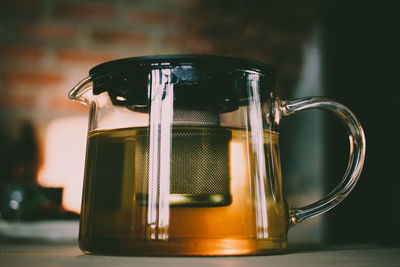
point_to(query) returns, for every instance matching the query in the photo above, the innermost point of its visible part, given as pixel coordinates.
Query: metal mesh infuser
(199, 161)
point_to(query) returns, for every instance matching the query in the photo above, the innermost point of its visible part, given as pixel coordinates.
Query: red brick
(81, 56)
(84, 11)
(44, 78)
(48, 31)
(21, 53)
(156, 17)
(66, 104)
(119, 37)
(21, 101)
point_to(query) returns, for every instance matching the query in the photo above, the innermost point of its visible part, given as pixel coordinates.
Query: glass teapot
(183, 157)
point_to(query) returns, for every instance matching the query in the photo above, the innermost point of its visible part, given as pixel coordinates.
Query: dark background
(58, 41)
(362, 72)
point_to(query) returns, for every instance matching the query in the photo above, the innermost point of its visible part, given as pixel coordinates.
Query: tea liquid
(244, 213)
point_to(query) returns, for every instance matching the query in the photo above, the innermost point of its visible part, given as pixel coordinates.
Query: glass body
(183, 158)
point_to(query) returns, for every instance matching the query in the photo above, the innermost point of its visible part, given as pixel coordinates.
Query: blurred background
(340, 49)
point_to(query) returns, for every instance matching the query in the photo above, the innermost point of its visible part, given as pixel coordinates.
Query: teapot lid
(176, 60)
(200, 81)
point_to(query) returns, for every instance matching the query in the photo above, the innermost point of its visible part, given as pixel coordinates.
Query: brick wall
(46, 47)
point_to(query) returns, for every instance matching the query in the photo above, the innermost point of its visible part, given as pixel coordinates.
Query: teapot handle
(356, 158)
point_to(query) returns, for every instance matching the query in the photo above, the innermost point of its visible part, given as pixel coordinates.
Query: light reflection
(273, 173)
(161, 116)
(64, 158)
(238, 168)
(165, 160)
(155, 113)
(257, 151)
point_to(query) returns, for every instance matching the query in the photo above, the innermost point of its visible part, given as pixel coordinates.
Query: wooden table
(68, 254)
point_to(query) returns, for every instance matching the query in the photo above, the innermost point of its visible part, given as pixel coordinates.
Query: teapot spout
(81, 92)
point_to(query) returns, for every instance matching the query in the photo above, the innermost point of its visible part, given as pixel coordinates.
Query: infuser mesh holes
(195, 117)
(199, 161)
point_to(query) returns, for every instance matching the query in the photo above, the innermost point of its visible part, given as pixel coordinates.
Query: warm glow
(64, 159)
(238, 168)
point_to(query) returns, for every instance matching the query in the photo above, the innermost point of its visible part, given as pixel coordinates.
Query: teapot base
(182, 247)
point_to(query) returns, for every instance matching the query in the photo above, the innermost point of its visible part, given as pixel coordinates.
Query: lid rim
(182, 59)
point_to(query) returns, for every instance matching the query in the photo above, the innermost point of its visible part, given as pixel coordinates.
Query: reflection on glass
(161, 115)
(257, 149)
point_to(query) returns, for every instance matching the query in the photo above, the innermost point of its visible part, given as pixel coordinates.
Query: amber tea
(213, 204)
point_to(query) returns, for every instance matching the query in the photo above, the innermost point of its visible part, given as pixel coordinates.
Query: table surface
(68, 254)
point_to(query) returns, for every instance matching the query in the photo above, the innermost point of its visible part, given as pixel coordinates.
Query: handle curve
(356, 157)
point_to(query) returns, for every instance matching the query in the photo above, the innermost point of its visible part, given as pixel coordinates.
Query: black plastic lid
(200, 81)
(176, 60)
